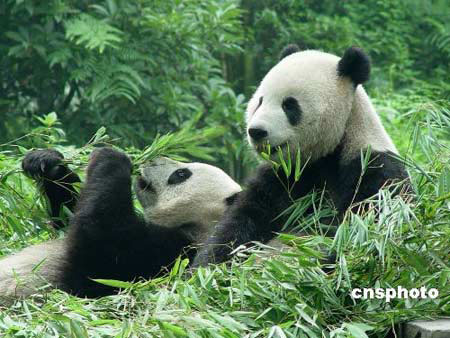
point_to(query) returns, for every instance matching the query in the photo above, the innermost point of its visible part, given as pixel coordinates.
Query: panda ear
(288, 50)
(355, 64)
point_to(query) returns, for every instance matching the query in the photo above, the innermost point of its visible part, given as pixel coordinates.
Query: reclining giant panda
(313, 102)
(107, 238)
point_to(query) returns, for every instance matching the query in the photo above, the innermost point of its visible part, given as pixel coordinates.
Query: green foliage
(92, 33)
(283, 295)
(387, 30)
(141, 68)
(145, 68)
(171, 77)
(265, 292)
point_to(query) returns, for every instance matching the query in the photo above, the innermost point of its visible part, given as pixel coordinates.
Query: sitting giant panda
(313, 102)
(107, 238)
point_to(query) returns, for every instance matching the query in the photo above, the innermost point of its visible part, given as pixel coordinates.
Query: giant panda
(107, 238)
(313, 102)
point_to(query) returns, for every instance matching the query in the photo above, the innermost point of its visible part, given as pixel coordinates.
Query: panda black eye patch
(144, 185)
(259, 104)
(292, 110)
(179, 176)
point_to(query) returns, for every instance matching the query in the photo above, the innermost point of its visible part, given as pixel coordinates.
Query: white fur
(364, 129)
(200, 199)
(330, 107)
(33, 268)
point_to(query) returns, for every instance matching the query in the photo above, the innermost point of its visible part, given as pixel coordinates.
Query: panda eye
(179, 175)
(259, 104)
(292, 110)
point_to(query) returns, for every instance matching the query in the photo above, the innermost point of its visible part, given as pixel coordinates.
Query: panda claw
(107, 160)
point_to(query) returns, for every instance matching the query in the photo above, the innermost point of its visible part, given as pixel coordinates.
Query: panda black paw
(46, 163)
(107, 161)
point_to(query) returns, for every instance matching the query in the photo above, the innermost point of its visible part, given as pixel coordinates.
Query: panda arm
(250, 218)
(55, 179)
(255, 214)
(107, 238)
(356, 185)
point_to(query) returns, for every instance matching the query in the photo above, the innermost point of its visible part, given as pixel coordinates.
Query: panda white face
(303, 101)
(176, 194)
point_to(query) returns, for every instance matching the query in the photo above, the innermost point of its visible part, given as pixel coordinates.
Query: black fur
(107, 239)
(288, 50)
(292, 110)
(355, 64)
(251, 217)
(257, 134)
(231, 199)
(382, 168)
(55, 179)
(179, 176)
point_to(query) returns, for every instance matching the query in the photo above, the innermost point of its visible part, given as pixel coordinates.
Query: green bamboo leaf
(114, 283)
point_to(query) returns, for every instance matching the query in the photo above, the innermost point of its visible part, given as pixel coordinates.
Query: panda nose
(257, 134)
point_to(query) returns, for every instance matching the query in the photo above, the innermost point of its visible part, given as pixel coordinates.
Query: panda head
(192, 196)
(305, 101)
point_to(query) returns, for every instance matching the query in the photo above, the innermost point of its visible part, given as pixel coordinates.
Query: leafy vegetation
(172, 77)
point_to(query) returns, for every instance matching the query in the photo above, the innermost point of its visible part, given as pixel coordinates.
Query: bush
(145, 68)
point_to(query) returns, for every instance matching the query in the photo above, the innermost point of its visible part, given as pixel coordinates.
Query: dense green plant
(265, 293)
(406, 39)
(145, 67)
(140, 68)
(126, 73)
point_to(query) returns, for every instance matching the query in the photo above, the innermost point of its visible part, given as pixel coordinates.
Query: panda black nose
(257, 134)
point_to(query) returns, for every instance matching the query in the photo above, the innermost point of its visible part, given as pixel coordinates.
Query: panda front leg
(252, 217)
(103, 228)
(56, 181)
(107, 190)
(107, 238)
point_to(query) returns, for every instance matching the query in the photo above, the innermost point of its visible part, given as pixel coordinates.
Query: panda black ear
(355, 64)
(288, 50)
